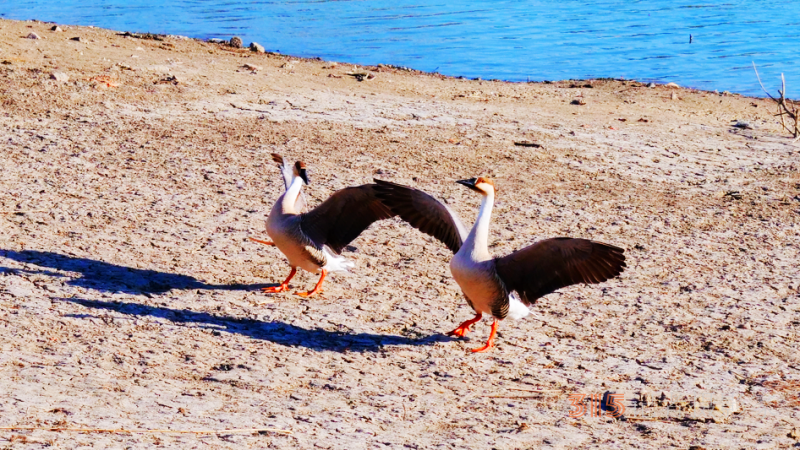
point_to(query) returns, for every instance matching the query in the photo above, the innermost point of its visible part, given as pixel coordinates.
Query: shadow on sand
(277, 332)
(103, 276)
(107, 277)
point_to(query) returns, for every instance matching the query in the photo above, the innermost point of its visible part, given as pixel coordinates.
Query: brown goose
(505, 286)
(314, 240)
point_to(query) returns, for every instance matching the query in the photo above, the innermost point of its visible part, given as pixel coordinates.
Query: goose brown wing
(423, 212)
(545, 266)
(286, 170)
(343, 216)
(287, 174)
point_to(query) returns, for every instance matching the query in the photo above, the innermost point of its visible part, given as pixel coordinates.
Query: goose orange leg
(490, 342)
(262, 242)
(283, 286)
(463, 329)
(317, 288)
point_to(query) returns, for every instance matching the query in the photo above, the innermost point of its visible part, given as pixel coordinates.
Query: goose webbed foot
(275, 289)
(463, 329)
(317, 288)
(262, 242)
(490, 341)
(281, 287)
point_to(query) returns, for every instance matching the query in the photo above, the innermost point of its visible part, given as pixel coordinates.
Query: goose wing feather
(551, 264)
(288, 173)
(343, 216)
(423, 212)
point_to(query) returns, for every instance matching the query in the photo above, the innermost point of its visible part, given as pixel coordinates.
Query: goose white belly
(477, 280)
(284, 229)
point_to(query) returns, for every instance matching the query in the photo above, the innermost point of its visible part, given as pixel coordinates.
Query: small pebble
(19, 291)
(251, 67)
(33, 36)
(256, 47)
(61, 77)
(56, 28)
(236, 42)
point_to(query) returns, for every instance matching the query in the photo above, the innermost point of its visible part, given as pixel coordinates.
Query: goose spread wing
(423, 212)
(343, 216)
(288, 174)
(545, 266)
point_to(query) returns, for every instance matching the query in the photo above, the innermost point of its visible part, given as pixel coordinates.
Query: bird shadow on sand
(107, 277)
(272, 331)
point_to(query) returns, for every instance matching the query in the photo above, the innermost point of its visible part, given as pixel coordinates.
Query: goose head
(300, 171)
(481, 184)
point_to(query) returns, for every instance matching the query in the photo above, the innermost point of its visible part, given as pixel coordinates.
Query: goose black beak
(469, 183)
(304, 175)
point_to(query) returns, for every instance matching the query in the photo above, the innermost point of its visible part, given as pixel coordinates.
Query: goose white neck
(290, 196)
(478, 240)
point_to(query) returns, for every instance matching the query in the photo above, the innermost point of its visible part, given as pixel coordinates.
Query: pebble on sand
(33, 36)
(56, 28)
(251, 67)
(20, 290)
(236, 42)
(61, 77)
(256, 47)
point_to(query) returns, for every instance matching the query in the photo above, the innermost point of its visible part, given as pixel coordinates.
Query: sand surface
(134, 170)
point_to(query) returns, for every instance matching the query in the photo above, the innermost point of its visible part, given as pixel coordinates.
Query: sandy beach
(135, 167)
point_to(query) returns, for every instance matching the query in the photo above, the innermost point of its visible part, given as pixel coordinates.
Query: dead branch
(786, 107)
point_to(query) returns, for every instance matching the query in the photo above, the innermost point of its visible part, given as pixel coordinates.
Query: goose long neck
(290, 196)
(478, 239)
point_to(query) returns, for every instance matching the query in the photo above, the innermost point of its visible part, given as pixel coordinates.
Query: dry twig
(786, 107)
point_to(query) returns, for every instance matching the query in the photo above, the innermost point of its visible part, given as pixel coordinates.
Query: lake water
(509, 40)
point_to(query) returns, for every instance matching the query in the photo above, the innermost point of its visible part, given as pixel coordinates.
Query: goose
(504, 286)
(313, 241)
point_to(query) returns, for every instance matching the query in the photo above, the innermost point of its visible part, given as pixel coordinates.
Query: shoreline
(135, 171)
(150, 35)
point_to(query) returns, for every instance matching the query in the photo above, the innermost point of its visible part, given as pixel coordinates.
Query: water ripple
(503, 39)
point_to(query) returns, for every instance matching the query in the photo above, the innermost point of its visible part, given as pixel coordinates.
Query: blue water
(509, 40)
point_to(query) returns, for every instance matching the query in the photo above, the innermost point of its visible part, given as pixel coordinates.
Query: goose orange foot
(262, 242)
(317, 288)
(309, 293)
(490, 342)
(281, 287)
(463, 329)
(275, 289)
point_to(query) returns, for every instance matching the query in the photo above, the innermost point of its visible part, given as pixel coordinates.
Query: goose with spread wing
(504, 286)
(313, 241)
